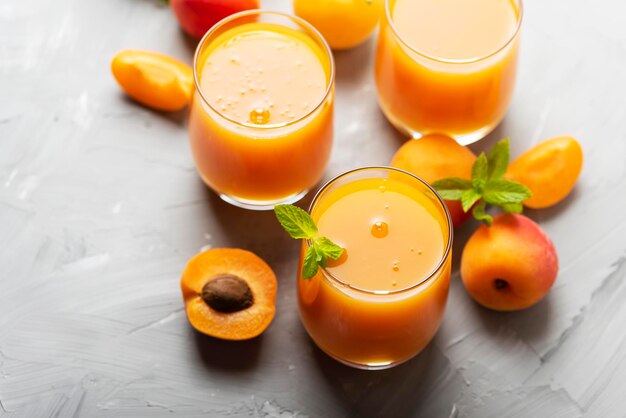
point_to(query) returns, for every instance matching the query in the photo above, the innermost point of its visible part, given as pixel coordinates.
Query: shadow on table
(355, 65)
(418, 387)
(232, 356)
(256, 231)
(531, 324)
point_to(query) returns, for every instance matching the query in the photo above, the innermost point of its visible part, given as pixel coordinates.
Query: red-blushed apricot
(198, 16)
(434, 157)
(153, 79)
(229, 293)
(549, 169)
(510, 265)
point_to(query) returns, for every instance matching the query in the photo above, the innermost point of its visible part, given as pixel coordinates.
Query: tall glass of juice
(261, 121)
(383, 300)
(447, 66)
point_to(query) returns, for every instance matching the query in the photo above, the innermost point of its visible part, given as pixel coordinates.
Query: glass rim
(299, 21)
(427, 277)
(510, 40)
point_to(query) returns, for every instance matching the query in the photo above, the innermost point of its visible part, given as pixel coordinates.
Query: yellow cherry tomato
(153, 79)
(343, 23)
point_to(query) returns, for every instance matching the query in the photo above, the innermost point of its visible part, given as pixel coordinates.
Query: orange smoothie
(261, 122)
(382, 302)
(447, 66)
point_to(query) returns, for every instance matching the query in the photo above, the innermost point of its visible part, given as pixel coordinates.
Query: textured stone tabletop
(100, 208)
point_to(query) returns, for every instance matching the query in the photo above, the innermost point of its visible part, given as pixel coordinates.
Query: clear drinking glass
(259, 162)
(382, 320)
(463, 98)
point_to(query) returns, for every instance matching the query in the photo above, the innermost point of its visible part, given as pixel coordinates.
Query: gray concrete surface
(100, 208)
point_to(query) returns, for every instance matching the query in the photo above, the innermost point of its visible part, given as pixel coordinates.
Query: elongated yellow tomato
(153, 79)
(343, 23)
(549, 169)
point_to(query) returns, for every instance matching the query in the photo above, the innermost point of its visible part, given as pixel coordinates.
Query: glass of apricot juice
(383, 300)
(447, 66)
(261, 120)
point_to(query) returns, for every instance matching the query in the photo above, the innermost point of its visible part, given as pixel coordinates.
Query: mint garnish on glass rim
(299, 225)
(487, 185)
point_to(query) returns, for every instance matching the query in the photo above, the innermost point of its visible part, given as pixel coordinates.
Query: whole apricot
(510, 265)
(549, 169)
(343, 23)
(434, 157)
(198, 16)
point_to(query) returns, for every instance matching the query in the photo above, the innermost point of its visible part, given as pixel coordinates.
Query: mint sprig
(487, 186)
(299, 225)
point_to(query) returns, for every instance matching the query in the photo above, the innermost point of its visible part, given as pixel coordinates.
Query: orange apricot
(153, 79)
(510, 265)
(549, 169)
(434, 157)
(229, 293)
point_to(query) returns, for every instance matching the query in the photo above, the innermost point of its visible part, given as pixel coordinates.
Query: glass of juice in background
(447, 66)
(383, 300)
(261, 121)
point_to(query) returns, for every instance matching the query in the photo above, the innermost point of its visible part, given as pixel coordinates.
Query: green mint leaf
(498, 192)
(468, 199)
(297, 222)
(480, 172)
(512, 207)
(328, 248)
(452, 188)
(480, 215)
(310, 265)
(498, 159)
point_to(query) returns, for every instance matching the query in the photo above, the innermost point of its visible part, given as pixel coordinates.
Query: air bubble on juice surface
(259, 116)
(419, 252)
(382, 188)
(232, 42)
(235, 60)
(380, 229)
(394, 283)
(396, 267)
(386, 206)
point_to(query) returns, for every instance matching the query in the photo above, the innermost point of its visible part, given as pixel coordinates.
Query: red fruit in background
(198, 16)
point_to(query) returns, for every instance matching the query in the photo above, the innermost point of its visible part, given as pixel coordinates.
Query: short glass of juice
(261, 119)
(447, 66)
(382, 302)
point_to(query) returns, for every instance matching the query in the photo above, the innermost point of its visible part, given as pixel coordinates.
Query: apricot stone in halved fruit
(229, 293)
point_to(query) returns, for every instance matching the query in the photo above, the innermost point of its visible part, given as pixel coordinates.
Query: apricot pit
(229, 293)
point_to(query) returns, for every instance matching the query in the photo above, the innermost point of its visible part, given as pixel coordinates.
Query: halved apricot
(229, 293)
(549, 169)
(153, 79)
(434, 157)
